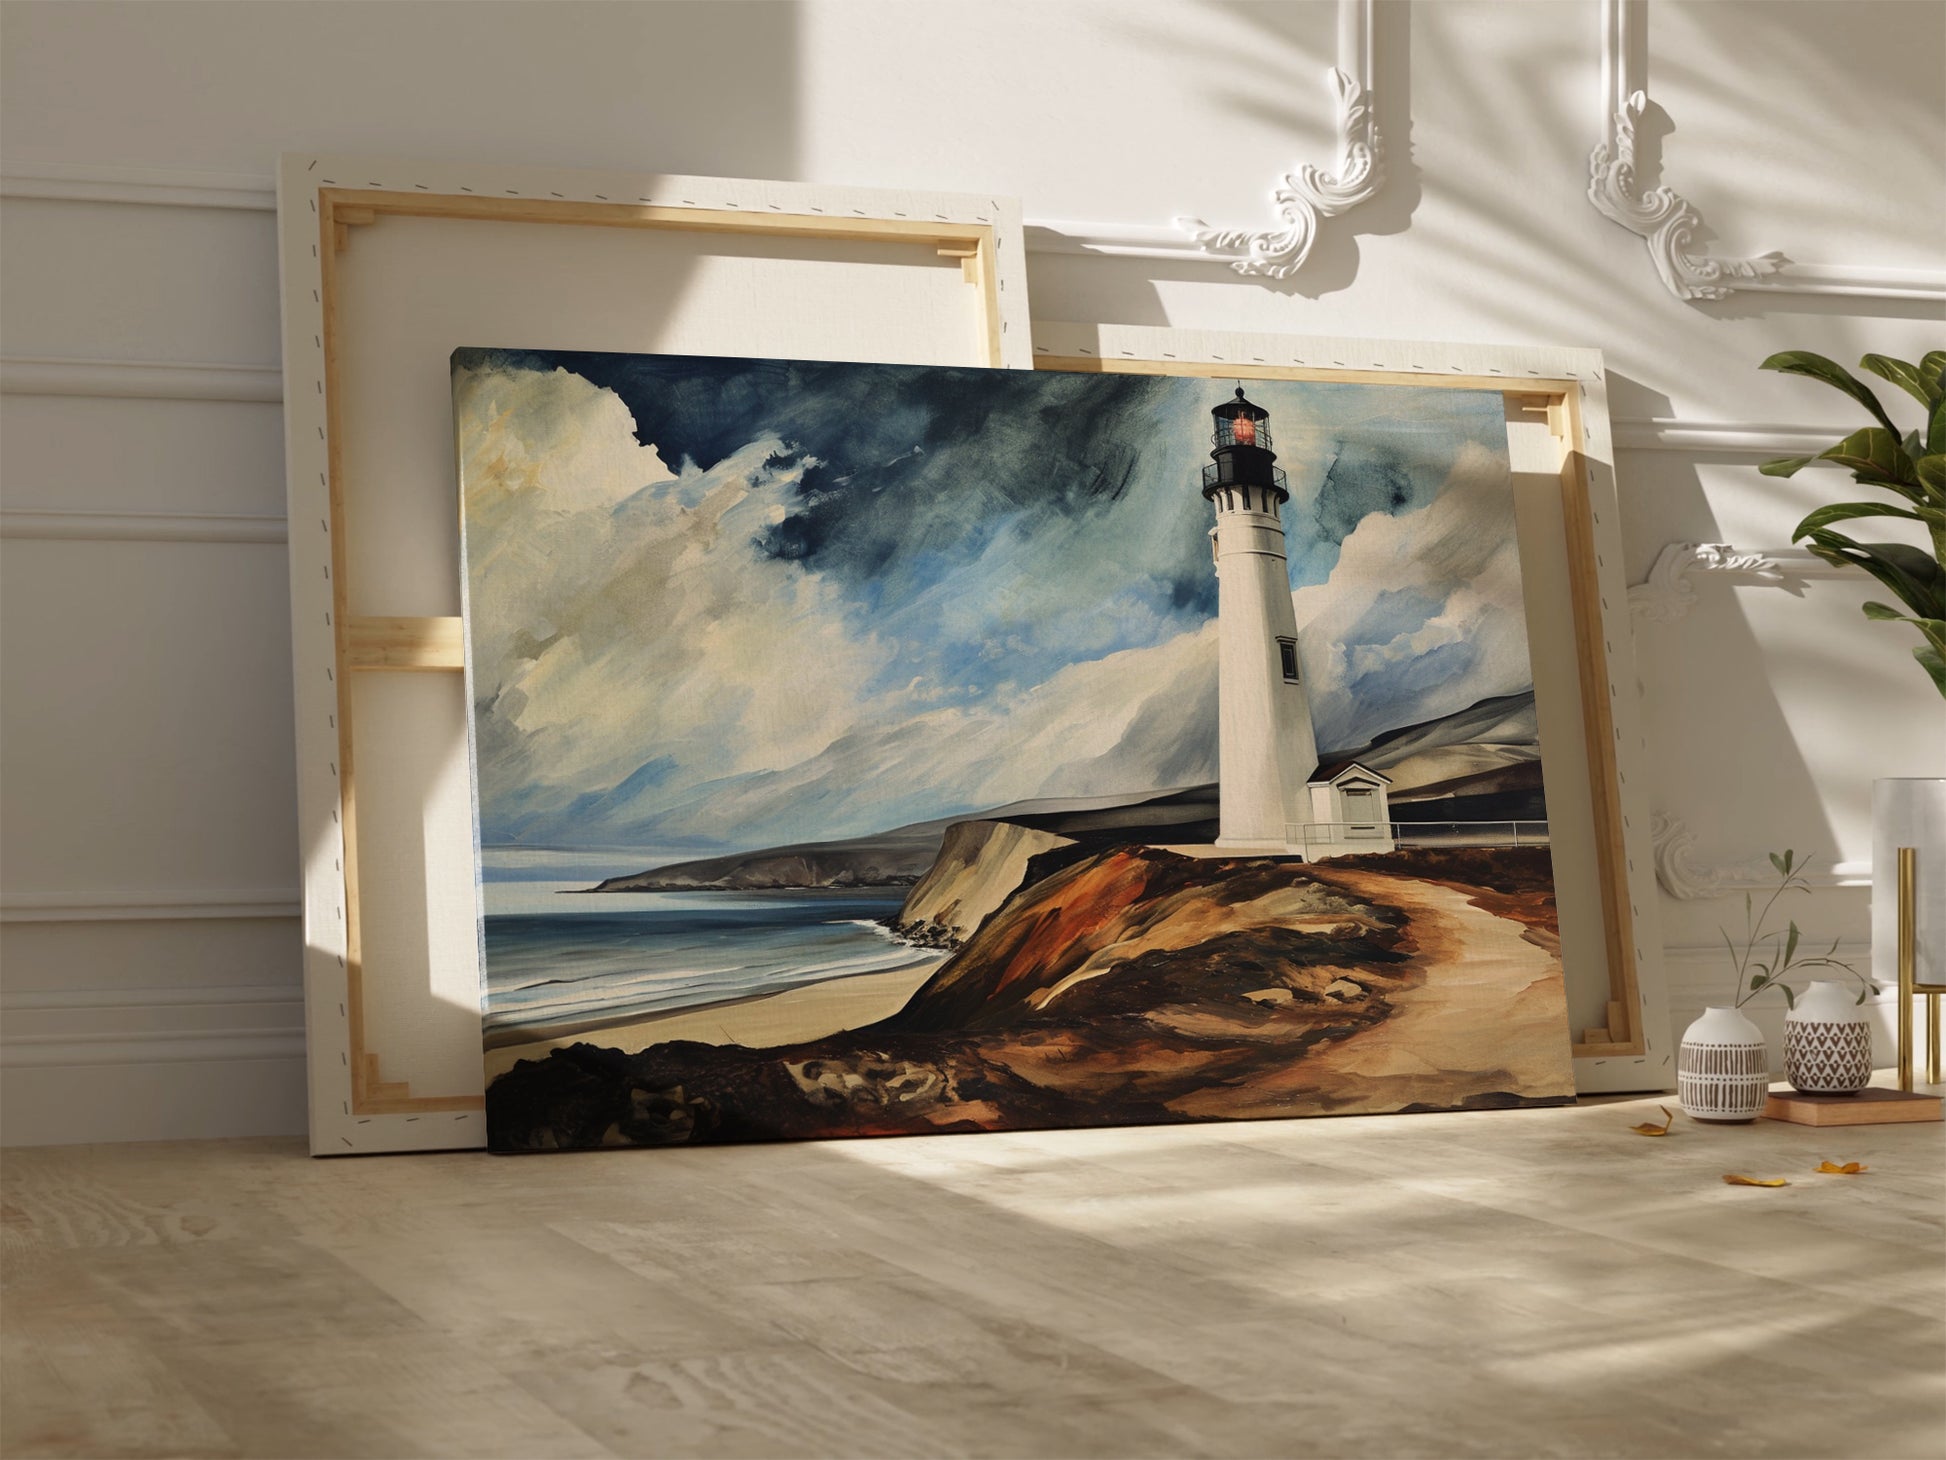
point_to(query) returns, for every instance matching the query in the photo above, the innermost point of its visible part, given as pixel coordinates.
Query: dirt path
(1487, 1016)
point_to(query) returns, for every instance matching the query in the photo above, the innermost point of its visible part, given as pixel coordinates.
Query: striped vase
(1723, 1068)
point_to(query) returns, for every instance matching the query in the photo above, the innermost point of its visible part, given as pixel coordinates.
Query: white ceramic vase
(1723, 1067)
(1828, 1041)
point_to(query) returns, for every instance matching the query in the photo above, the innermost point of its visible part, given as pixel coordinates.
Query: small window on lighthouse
(1287, 651)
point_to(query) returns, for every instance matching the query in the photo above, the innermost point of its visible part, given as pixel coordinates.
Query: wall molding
(80, 182)
(154, 1046)
(288, 995)
(1667, 595)
(139, 379)
(1668, 223)
(1684, 875)
(148, 906)
(46, 1028)
(87, 526)
(1734, 438)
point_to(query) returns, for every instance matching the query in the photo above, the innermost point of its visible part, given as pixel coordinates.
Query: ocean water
(561, 960)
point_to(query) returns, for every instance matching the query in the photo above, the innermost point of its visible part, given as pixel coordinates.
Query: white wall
(147, 852)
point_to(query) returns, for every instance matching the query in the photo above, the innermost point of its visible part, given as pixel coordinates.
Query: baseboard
(58, 1105)
(148, 1064)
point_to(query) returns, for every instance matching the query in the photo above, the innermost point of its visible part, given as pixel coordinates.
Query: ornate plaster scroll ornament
(1676, 864)
(1666, 221)
(1309, 194)
(1666, 594)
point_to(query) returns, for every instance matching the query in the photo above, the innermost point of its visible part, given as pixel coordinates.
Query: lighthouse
(1267, 750)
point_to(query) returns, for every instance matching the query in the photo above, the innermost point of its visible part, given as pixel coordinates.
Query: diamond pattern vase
(1827, 1042)
(1723, 1067)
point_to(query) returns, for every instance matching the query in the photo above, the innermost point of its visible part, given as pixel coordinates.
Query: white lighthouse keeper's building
(1266, 749)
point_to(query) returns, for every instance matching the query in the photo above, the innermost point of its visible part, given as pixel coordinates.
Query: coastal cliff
(980, 865)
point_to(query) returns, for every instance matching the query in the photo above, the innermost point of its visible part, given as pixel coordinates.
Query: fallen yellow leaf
(1753, 1181)
(1850, 1168)
(1652, 1129)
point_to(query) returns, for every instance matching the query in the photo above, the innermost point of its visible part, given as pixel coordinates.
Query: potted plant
(1723, 1069)
(1907, 811)
(1912, 467)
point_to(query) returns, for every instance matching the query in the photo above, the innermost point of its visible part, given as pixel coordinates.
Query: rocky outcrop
(980, 865)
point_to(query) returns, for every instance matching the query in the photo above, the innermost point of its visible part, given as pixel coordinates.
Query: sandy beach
(786, 1017)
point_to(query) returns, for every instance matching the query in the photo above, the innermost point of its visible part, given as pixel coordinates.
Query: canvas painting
(872, 750)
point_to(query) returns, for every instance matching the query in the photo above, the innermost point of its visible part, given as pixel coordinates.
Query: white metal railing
(1419, 833)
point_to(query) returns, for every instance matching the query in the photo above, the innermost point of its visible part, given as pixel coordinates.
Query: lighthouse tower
(1267, 749)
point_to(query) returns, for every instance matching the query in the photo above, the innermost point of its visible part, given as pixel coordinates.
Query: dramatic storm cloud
(720, 603)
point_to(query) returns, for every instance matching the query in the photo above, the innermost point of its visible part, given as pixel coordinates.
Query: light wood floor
(1518, 1283)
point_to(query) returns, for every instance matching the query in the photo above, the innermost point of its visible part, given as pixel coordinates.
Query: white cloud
(613, 625)
(1422, 615)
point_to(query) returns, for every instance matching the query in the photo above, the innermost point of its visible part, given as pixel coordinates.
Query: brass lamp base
(1909, 985)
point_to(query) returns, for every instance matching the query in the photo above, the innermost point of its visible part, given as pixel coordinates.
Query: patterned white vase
(1723, 1067)
(1827, 1042)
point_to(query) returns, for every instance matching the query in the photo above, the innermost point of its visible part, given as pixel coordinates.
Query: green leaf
(1790, 999)
(1786, 466)
(1911, 573)
(1817, 367)
(1912, 379)
(1934, 663)
(1777, 862)
(1933, 628)
(1873, 455)
(1930, 471)
(1757, 980)
(1789, 857)
(1847, 511)
(1790, 946)
(1935, 429)
(1932, 365)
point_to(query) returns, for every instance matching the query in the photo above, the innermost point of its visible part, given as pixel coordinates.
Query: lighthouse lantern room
(1243, 462)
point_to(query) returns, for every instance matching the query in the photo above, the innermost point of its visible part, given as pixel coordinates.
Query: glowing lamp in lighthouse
(1243, 464)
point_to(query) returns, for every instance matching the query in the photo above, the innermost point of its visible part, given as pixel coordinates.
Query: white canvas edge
(334, 1129)
(1654, 1069)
